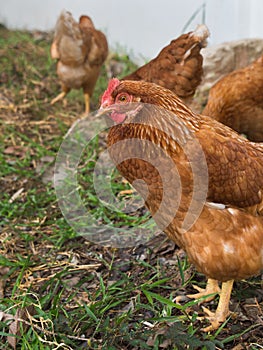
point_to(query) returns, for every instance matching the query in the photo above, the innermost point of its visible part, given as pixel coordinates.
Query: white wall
(234, 19)
(143, 27)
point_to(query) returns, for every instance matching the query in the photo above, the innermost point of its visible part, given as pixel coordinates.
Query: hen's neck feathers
(165, 119)
(160, 97)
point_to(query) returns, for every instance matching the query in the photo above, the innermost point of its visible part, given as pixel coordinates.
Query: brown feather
(179, 65)
(236, 100)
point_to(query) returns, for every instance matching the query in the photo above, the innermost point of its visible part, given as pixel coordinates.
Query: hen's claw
(215, 318)
(210, 292)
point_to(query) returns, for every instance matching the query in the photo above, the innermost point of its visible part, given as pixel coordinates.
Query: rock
(222, 59)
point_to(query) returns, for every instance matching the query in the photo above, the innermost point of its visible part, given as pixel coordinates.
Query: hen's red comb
(113, 83)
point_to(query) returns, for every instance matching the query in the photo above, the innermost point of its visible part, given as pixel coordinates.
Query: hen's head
(124, 99)
(117, 101)
(85, 22)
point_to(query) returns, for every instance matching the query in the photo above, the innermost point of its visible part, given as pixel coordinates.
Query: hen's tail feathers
(199, 40)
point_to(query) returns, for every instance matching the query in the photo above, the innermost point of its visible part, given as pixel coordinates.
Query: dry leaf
(18, 151)
(5, 317)
(15, 326)
(238, 347)
(151, 340)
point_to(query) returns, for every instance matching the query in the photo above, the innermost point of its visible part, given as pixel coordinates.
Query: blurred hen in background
(236, 100)
(80, 50)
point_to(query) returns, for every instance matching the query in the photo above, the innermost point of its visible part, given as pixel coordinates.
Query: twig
(16, 195)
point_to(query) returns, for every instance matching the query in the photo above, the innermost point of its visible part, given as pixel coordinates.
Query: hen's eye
(123, 98)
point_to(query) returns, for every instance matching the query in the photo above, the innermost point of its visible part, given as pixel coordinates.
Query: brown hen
(204, 182)
(179, 65)
(80, 50)
(236, 100)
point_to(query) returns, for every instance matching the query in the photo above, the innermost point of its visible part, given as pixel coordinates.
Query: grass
(60, 291)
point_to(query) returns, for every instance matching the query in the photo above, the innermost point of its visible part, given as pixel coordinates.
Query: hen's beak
(102, 111)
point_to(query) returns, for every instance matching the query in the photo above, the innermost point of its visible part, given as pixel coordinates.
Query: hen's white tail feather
(201, 33)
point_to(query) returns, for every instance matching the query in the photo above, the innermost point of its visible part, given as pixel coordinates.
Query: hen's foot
(58, 98)
(215, 319)
(222, 311)
(210, 292)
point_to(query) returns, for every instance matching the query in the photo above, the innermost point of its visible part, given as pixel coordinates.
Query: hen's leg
(222, 311)
(60, 96)
(87, 102)
(211, 288)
